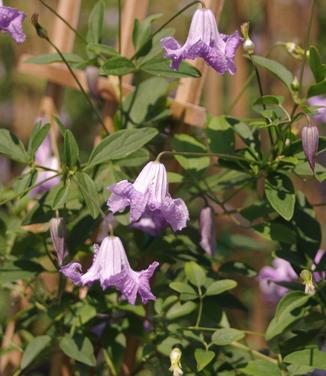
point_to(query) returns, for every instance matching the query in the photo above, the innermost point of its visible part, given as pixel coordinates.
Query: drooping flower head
(280, 272)
(148, 197)
(207, 230)
(58, 236)
(11, 22)
(204, 40)
(112, 269)
(175, 359)
(310, 141)
(309, 286)
(319, 100)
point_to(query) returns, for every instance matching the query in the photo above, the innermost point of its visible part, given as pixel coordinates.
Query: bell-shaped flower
(205, 41)
(310, 141)
(58, 236)
(207, 226)
(175, 359)
(319, 101)
(280, 272)
(44, 157)
(11, 22)
(308, 282)
(112, 269)
(148, 197)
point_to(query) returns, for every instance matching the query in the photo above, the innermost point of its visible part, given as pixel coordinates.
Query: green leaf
(70, 149)
(117, 66)
(289, 310)
(161, 67)
(95, 22)
(54, 58)
(203, 358)
(102, 49)
(89, 192)
(33, 349)
(138, 158)
(142, 32)
(317, 89)
(185, 143)
(218, 287)
(79, 348)
(318, 69)
(239, 268)
(225, 336)
(280, 194)
(308, 357)
(61, 196)
(261, 368)
(221, 135)
(276, 68)
(195, 274)
(182, 287)
(19, 269)
(180, 310)
(120, 145)
(276, 231)
(11, 147)
(37, 137)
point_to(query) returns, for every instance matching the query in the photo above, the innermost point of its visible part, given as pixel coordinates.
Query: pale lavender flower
(92, 79)
(112, 269)
(11, 22)
(149, 197)
(280, 272)
(58, 236)
(207, 226)
(151, 224)
(310, 141)
(319, 100)
(205, 41)
(108, 222)
(318, 276)
(45, 158)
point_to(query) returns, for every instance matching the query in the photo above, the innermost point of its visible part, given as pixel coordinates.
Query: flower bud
(310, 141)
(92, 76)
(294, 50)
(207, 226)
(306, 277)
(175, 358)
(248, 44)
(58, 236)
(295, 84)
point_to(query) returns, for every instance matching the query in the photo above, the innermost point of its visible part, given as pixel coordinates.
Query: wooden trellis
(184, 106)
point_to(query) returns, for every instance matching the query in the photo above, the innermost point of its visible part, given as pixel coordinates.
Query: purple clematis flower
(111, 267)
(11, 21)
(319, 100)
(207, 230)
(44, 157)
(280, 272)
(148, 197)
(205, 41)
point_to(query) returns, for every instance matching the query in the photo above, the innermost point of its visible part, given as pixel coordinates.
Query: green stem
(255, 353)
(64, 21)
(304, 59)
(79, 84)
(200, 308)
(204, 329)
(166, 23)
(120, 51)
(29, 189)
(46, 168)
(198, 154)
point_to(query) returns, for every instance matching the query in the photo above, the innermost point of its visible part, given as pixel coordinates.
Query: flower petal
(175, 212)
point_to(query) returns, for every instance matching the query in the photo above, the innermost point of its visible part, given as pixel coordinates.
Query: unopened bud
(248, 44)
(295, 50)
(207, 225)
(310, 141)
(58, 236)
(175, 358)
(306, 277)
(41, 32)
(92, 78)
(295, 84)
